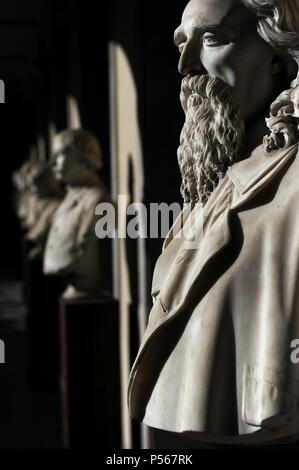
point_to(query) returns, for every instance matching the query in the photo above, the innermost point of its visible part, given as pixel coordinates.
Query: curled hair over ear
(278, 25)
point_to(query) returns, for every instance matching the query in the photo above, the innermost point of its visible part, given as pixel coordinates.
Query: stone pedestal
(89, 373)
(41, 295)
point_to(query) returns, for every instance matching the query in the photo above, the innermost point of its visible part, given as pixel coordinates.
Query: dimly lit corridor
(29, 417)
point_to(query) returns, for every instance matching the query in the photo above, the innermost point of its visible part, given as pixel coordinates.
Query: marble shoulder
(93, 196)
(290, 184)
(293, 174)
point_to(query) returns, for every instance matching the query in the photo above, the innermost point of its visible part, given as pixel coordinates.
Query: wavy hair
(278, 25)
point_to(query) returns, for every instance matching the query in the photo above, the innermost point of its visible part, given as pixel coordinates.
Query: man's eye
(212, 40)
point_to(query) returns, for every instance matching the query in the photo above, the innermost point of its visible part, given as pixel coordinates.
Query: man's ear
(292, 68)
(285, 62)
(277, 64)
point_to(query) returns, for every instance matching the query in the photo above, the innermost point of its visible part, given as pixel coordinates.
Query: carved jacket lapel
(248, 178)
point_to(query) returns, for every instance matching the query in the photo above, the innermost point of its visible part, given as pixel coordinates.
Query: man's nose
(190, 61)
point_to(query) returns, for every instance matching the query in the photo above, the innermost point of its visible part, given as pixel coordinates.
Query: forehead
(214, 12)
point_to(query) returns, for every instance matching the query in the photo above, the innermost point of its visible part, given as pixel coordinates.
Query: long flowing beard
(211, 138)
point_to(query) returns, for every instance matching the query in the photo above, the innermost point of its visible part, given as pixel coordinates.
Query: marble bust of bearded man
(216, 359)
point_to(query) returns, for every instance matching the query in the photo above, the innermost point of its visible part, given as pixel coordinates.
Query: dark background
(50, 49)
(55, 48)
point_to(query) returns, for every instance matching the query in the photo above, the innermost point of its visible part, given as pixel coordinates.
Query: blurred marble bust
(38, 196)
(22, 181)
(46, 195)
(72, 249)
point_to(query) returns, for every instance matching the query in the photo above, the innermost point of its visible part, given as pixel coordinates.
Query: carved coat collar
(249, 177)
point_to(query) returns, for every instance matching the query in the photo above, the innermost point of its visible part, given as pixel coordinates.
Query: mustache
(195, 89)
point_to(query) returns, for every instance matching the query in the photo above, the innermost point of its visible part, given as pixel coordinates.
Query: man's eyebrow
(180, 35)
